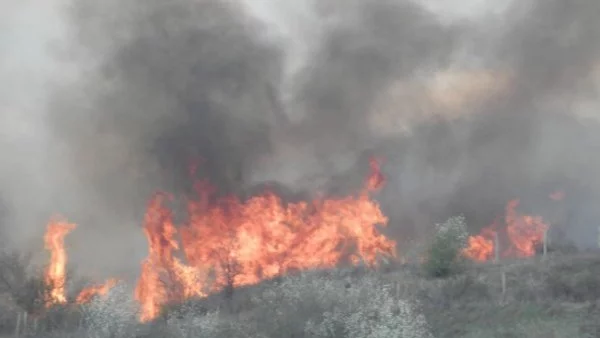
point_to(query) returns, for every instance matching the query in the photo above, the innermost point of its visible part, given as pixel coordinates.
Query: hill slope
(554, 297)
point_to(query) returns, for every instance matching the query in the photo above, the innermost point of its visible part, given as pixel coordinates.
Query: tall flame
(163, 275)
(56, 270)
(228, 243)
(232, 243)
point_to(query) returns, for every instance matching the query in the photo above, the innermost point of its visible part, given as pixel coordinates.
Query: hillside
(558, 296)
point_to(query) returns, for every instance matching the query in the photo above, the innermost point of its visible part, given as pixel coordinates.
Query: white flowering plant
(312, 306)
(444, 255)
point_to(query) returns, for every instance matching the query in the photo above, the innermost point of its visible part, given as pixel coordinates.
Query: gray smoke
(298, 93)
(535, 137)
(30, 169)
(219, 81)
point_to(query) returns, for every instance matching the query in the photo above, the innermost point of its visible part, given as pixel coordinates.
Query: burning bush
(232, 242)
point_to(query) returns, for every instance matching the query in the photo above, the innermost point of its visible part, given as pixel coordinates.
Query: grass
(554, 297)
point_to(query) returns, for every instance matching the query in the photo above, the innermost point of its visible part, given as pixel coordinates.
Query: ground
(556, 296)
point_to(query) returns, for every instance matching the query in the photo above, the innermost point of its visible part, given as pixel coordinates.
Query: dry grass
(554, 297)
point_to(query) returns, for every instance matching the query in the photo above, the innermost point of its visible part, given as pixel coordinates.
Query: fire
(523, 234)
(163, 275)
(376, 180)
(231, 243)
(56, 271)
(228, 242)
(557, 196)
(87, 294)
(481, 247)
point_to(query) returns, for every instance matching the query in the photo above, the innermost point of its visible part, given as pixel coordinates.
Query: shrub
(310, 305)
(444, 254)
(208, 325)
(21, 281)
(112, 316)
(580, 286)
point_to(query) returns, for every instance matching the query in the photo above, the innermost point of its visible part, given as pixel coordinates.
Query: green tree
(444, 255)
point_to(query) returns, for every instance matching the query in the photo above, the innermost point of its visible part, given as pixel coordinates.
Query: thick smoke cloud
(222, 81)
(470, 109)
(181, 80)
(524, 142)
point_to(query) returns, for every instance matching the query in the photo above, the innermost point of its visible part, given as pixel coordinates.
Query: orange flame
(557, 195)
(55, 273)
(523, 232)
(163, 278)
(232, 243)
(481, 247)
(87, 294)
(376, 180)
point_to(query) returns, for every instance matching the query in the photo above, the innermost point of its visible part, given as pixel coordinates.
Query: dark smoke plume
(182, 80)
(299, 93)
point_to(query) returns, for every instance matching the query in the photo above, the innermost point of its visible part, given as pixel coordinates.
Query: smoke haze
(471, 105)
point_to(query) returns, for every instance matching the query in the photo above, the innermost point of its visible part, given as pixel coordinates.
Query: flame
(56, 270)
(87, 294)
(163, 277)
(375, 180)
(227, 242)
(557, 195)
(231, 243)
(524, 233)
(481, 247)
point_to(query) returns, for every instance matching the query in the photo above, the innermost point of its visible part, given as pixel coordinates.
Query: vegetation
(554, 297)
(444, 255)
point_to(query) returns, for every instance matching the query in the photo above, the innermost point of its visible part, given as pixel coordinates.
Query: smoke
(221, 82)
(27, 31)
(470, 104)
(535, 134)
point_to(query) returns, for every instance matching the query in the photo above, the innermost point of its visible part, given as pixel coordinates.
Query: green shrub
(443, 257)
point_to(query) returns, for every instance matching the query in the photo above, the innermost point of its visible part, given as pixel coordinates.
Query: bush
(310, 305)
(574, 281)
(444, 254)
(21, 281)
(209, 325)
(332, 304)
(112, 316)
